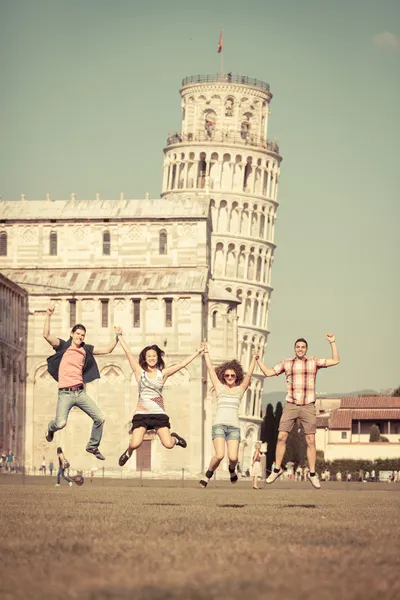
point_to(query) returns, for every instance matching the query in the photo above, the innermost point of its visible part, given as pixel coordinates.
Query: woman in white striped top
(230, 384)
(151, 376)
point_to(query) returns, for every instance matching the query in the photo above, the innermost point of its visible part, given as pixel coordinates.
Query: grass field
(117, 541)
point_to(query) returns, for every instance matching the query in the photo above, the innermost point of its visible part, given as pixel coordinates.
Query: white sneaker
(70, 483)
(315, 481)
(274, 476)
(57, 485)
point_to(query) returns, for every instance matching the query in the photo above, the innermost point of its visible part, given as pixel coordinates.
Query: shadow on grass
(298, 506)
(161, 504)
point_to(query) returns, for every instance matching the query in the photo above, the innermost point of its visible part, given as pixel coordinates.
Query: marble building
(13, 344)
(192, 265)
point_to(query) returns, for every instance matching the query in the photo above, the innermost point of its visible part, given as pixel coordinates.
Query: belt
(76, 388)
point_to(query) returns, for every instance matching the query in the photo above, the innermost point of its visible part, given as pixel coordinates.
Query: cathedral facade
(193, 265)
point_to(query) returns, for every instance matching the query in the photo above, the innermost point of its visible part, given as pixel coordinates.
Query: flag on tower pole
(219, 49)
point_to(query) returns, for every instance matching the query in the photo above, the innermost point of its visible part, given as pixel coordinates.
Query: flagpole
(222, 54)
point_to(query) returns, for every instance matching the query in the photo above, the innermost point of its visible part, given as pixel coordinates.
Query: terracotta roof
(323, 420)
(370, 402)
(100, 281)
(342, 418)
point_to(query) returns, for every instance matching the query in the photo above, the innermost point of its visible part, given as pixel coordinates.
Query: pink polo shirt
(71, 367)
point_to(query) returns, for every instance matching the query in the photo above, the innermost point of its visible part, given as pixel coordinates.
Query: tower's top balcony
(225, 78)
(242, 137)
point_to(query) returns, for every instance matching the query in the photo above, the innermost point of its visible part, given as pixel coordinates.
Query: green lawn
(117, 541)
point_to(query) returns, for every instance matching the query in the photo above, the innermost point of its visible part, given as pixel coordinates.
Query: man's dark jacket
(90, 368)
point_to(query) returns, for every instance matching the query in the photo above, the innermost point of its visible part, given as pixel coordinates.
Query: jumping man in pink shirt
(72, 366)
(301, 372)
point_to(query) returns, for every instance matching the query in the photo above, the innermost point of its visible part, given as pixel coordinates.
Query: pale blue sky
(89, 92)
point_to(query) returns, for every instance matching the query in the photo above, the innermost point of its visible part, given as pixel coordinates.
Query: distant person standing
(43, 466)
(51, 468)
(300, 372)
(256, 465)
(10, 458)
(62, 466)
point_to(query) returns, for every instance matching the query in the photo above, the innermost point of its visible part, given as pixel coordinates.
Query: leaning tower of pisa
(223, 151)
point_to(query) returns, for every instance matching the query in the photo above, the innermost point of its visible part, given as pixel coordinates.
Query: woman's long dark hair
(233, 365)
(160, 354)
(59, 450)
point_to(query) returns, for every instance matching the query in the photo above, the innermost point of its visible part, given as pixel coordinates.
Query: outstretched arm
(264, 369)
(175, 368)
(211, 371)
(53, 341)
(110, 347)
(135, 366)
(331, 362)
(247, 378)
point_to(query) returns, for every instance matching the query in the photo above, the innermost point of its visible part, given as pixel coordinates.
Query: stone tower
(223, 151)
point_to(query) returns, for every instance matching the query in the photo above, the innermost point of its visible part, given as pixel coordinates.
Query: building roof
(370, 402)
(342, 418)
(217, 292)
(74, 209)
(183, 280)
(323, 420)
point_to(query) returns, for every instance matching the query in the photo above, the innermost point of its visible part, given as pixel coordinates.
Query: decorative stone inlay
(29, 234)
(135, 232)
(88, 305)
(79, 233)
(119, 303)
(152, 303)
(184, 305)
(111, 374)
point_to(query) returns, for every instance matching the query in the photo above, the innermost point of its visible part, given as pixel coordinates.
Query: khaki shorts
(307, 415)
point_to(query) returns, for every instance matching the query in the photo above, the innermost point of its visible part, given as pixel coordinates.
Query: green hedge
(345, 465)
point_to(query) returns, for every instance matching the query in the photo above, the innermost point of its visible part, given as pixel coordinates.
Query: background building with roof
(193, 265)
(13, 347)
(344, 432)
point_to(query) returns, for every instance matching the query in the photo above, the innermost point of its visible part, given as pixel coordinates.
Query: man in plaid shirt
(300, 372)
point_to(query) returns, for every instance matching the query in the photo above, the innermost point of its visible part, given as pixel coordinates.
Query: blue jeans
(79, 398)
(62, 473)
(228, 432)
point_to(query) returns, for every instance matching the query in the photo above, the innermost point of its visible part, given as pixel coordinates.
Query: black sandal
(205, 483)
(233, 475)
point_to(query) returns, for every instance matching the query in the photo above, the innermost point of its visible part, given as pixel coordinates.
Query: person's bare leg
(167, 440)
(135, 441)
(233, 456)
(219, 453)
(280, 448)
(255, 482)
(311, 451)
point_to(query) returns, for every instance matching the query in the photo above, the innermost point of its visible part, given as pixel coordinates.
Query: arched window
(3, 243)
(214, 319)
(163, 248)
(53, 243)
(106, 243)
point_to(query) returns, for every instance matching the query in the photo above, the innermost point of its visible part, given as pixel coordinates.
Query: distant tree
(268, 433)
(396, 391)
(374, 433)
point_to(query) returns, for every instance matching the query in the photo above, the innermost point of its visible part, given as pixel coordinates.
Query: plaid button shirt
(300, 377)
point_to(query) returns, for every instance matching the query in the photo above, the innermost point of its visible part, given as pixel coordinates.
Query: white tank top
(150, 399)
(228, 404)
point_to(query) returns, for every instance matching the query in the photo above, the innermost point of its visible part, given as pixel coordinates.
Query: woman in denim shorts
(230, 384)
